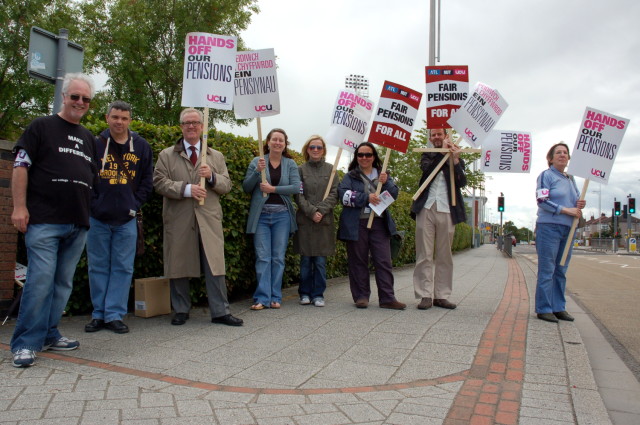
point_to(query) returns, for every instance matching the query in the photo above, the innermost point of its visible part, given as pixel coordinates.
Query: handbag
(396, 244)
(139, 221)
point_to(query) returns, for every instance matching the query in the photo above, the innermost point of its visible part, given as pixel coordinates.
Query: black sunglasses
(76, 97)
(365, 154)
(315, 148)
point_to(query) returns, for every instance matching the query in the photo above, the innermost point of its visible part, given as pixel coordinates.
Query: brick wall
(8, 234)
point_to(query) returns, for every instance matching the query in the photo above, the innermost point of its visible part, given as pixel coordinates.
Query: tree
(141, 47)
(23, 98)
(405, 168)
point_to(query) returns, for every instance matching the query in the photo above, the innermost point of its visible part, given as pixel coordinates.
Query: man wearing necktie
(193, 238)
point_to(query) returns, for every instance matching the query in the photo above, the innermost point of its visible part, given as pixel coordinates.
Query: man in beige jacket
(193, 238)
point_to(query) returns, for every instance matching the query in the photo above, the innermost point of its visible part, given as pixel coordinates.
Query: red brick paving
(497, 399)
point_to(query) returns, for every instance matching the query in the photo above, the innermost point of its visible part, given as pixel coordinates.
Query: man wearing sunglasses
(53, 176)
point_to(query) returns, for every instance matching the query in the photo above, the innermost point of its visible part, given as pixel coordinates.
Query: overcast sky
(549, 59)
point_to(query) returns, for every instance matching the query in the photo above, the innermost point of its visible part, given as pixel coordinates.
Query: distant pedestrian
(316, 235)
(125, 184)
(357, 190)
(271, 217)
(53, 177)
(436, 218)
(558, 203)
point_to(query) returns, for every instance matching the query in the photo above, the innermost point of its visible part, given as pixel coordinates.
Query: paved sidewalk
(487, 362)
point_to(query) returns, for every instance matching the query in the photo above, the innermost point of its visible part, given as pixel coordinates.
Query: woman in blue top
(558, 204)
(271, 215)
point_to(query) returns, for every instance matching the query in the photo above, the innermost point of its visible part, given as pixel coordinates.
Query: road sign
(42, 61)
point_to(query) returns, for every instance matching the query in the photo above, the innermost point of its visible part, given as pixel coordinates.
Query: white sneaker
(304, 300)
(24, 358)
(318, 302)
(62, 344)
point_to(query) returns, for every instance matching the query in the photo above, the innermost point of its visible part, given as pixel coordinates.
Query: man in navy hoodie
(125, 184)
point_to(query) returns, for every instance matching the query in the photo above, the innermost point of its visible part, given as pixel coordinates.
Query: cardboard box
(152, 297)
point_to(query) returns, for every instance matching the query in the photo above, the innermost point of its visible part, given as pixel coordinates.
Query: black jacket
(428, 163)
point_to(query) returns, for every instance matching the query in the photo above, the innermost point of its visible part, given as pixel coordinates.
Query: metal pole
(63, 41)
(432, 33)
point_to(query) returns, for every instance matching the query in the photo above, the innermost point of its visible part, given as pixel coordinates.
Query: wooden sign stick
(203, 148)
(384, 170)
(333, 174)
(567, 246)
(431, 176)
(261, 153)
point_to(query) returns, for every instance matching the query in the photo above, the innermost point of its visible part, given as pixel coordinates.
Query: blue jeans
(552, 280)
(313, 276)
(111, 251)
(270, 242)
(53, 251)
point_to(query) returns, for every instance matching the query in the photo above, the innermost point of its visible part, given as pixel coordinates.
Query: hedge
(239, 253)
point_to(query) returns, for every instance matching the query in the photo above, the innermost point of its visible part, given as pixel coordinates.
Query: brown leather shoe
(425, 304)
(563, 315)
(444, 303)
(394, 305)
(362, 303)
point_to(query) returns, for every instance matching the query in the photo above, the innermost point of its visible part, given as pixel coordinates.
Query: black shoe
(228, 320)
(547, 317)
(180, 319)
(563, 315)
(94, 326)
(117, 326)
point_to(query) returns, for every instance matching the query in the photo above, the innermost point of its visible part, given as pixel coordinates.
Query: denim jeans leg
(306, 276)
(262, 245)
(550, 241)
(280, 231)
(123, 252)
(319, 277)
(98, 258)
(53, 251)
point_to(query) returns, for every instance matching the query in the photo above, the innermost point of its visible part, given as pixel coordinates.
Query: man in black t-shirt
(53, 176)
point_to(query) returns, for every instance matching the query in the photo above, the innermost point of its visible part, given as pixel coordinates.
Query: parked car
(513, 241)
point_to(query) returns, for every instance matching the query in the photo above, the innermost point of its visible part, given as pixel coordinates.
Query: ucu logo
(350, 143)
(263, 108)
(216, 99)
(597, 173)
(470, 134)
(487, 158)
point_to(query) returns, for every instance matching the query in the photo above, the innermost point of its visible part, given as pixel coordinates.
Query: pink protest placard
(209, 67)
(349, 120)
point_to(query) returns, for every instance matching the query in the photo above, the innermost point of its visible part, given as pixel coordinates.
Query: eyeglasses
(76, 97)
(190, 123)
(365, 154)
(315, 148)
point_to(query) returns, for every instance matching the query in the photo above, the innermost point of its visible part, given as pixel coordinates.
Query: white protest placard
(447, 88)
(507, 152)
(209, 68)
(349, 120)
(597, 145)
(395, 116)
(479, 114)
(256, 84)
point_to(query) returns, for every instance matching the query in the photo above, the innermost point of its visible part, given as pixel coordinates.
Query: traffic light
(500, 203)
(616, 208)
(632, 205)
(624, 211)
